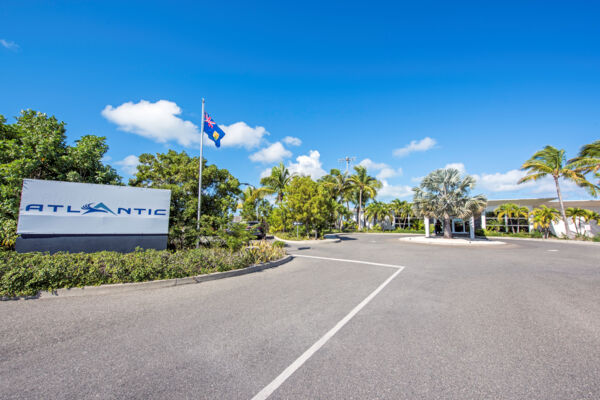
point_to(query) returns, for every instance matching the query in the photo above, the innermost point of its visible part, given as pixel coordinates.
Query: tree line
(35, 146)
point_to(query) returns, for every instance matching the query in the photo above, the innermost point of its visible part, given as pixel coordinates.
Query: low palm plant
(377, 211)
(576, 214)
(509, 211)
(592, 216)
(543, 218)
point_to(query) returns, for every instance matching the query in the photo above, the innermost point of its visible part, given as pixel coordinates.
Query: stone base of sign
(89, 243)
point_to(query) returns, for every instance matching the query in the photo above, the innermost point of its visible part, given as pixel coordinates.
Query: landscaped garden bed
(30, 273)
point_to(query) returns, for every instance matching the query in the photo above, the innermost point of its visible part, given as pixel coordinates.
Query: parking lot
(370, 317)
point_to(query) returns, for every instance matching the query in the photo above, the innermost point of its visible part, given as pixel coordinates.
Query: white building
(589, 228)
(525, 224)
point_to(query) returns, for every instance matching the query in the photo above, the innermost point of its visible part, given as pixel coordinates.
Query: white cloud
(160, 122)
(459, 166)
(242, 135)
(416, 145)
(156, 121)
(265, 173)
(129, 164)
(507, 182)
(385, 171)
(9, 44)
(370, 164)
(394, 191)
(308, 165)
(273, 153)
(292, 141)
(388, 173)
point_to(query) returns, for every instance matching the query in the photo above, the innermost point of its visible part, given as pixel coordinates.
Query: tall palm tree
(276, 182)
(363, 183)
(552, 161)
(588, 161)
(543, 217)
(444, 194)
(340, 185)
(576, 214)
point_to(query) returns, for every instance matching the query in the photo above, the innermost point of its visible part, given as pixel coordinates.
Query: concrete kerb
(554, 240)
(328, 239)
(128, 287)
(451, 242)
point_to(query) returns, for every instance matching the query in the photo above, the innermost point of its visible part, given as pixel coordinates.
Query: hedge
(28, 274)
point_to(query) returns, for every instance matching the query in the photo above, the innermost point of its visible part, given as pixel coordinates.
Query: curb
(451, 242)
(330, 239)
(558, 241)
(129, 287)
(381, 233)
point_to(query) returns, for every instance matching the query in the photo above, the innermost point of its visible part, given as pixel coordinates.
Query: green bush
(28, 274)
(278, 243)
(487, 232)
(404, 230)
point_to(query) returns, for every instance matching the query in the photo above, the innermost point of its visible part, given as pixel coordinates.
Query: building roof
(548, 201)
(521, 202)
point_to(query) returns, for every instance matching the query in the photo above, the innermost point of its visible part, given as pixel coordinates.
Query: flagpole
(200, 168)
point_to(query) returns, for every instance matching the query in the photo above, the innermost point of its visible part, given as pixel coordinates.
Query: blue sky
(475, 84)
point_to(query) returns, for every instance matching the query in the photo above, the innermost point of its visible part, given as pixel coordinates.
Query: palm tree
(542, 219)
(576, 214)
(276, 182)
(588, 161)
(340, 185)
(552, 161)
(444, 194)
(510, 211)
(398, 207)
(377, 211)
(364, 184)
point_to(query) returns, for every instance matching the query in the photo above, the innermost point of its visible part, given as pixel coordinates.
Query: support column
(472, 228)
(483, 221)
(427, 227)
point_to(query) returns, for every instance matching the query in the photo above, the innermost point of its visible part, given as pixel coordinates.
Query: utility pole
(347, 160)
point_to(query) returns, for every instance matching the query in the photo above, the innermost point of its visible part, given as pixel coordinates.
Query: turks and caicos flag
(212, 130)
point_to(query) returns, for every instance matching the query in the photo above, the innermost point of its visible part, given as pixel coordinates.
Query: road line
(277, 382)
(350, 261)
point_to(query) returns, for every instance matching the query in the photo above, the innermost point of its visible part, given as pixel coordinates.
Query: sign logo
(100, 207)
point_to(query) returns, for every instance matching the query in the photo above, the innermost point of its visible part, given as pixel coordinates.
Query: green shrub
(8, 233)
(487, 232)
(278, 243)
(28, 274)
(405, 230)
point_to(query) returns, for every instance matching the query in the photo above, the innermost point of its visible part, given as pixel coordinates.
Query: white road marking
(277, 382)
(553, 250)
(350, 261)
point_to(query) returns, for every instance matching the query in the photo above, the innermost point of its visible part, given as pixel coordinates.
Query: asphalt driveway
(515, 321)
